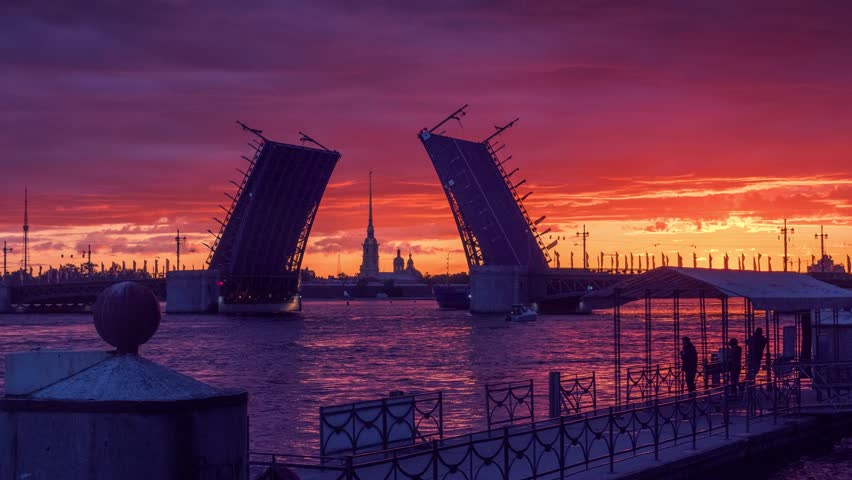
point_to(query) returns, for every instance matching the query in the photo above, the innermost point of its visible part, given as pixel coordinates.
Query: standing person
(735, 363)
(689, 363)
(756, 343)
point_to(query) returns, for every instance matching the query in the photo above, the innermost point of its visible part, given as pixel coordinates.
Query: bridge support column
(192, 291)
(494, 289)
(5, 299)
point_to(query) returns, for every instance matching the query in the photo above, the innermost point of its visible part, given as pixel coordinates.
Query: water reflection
(335, 354)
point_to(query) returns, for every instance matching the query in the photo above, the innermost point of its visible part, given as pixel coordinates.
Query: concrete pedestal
(116, 416)
(192, 291)
(494, 289)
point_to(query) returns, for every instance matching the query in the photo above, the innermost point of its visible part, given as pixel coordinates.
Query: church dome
(398, 262)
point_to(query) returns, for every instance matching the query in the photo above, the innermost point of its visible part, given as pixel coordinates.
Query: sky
(662, 126)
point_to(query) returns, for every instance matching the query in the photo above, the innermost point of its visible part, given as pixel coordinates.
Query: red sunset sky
(658, 124)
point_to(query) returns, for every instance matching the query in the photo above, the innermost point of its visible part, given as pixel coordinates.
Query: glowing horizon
(658, 126)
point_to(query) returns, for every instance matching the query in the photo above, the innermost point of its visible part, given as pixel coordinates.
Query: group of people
(733, 360)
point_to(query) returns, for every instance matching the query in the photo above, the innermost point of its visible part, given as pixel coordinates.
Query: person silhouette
(689, 363)
(735, 364)
(756, 343)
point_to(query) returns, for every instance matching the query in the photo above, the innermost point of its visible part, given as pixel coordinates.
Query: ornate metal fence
(645, 384)
(507, 403)
(270, 466)
(572, 396)
(830, 384)
(381, 424)
(553, 447)
(573, 443)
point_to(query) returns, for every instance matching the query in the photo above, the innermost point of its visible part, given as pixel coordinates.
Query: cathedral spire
(370, 259)
(26, 231)
(370, 220)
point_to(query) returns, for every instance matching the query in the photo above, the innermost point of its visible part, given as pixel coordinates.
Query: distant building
(403, 272)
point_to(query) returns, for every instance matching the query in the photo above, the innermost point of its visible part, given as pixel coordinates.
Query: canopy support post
(725, 372)
(702, 313)
(648, 306)
(616, 339)
(676, 326)
(768, 352)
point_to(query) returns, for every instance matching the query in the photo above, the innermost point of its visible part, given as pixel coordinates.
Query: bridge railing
(520, 203)
(258, 148)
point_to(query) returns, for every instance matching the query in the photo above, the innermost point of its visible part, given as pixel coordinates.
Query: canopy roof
(782, 291)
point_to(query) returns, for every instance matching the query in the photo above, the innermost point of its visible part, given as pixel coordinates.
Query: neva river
(334, 353)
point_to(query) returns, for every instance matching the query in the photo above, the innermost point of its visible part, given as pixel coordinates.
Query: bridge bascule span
(509, 259)
(261, 241)
(256, 253)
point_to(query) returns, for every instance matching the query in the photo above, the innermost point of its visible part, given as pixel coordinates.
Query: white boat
(521, 313)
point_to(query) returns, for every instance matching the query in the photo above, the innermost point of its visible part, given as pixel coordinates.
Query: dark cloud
(122, 113)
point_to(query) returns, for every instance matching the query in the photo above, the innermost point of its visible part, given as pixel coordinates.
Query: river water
(335, 353)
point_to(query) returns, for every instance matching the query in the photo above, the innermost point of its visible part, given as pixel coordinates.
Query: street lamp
(178, 241)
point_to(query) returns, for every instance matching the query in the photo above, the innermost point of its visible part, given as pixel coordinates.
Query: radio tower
(26, 232)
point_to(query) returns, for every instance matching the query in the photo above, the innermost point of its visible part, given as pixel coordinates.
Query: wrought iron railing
(553, 447)
(572, 443)
(830, 383)
(509, 403)
(644, 383)
(381, 424)
(272, 464)
(572, 396)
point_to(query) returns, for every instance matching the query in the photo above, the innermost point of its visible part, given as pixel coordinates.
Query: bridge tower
(508, 258)
(494, 226)
(261, 241)
(502, 243)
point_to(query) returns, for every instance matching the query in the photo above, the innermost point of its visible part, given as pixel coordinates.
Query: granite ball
(126, 315)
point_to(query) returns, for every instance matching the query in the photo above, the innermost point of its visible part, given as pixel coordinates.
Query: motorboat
(521, 313)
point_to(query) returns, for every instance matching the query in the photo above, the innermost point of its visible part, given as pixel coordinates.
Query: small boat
(521, 313)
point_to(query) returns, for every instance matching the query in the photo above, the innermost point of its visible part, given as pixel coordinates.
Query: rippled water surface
(334, 353)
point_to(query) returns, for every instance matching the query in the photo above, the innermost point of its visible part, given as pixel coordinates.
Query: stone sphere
(126, 315)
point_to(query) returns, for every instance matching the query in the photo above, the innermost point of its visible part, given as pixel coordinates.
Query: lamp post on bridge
(178, 241)
(785, 231)
(88, 253)
(6, 250)
(822, 236)
(585, 235)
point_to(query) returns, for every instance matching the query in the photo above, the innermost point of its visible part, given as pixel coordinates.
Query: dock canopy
(779, 291)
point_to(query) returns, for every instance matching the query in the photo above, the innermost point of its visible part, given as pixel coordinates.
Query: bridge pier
(5, 299)
(495, 288)
(192, 291)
